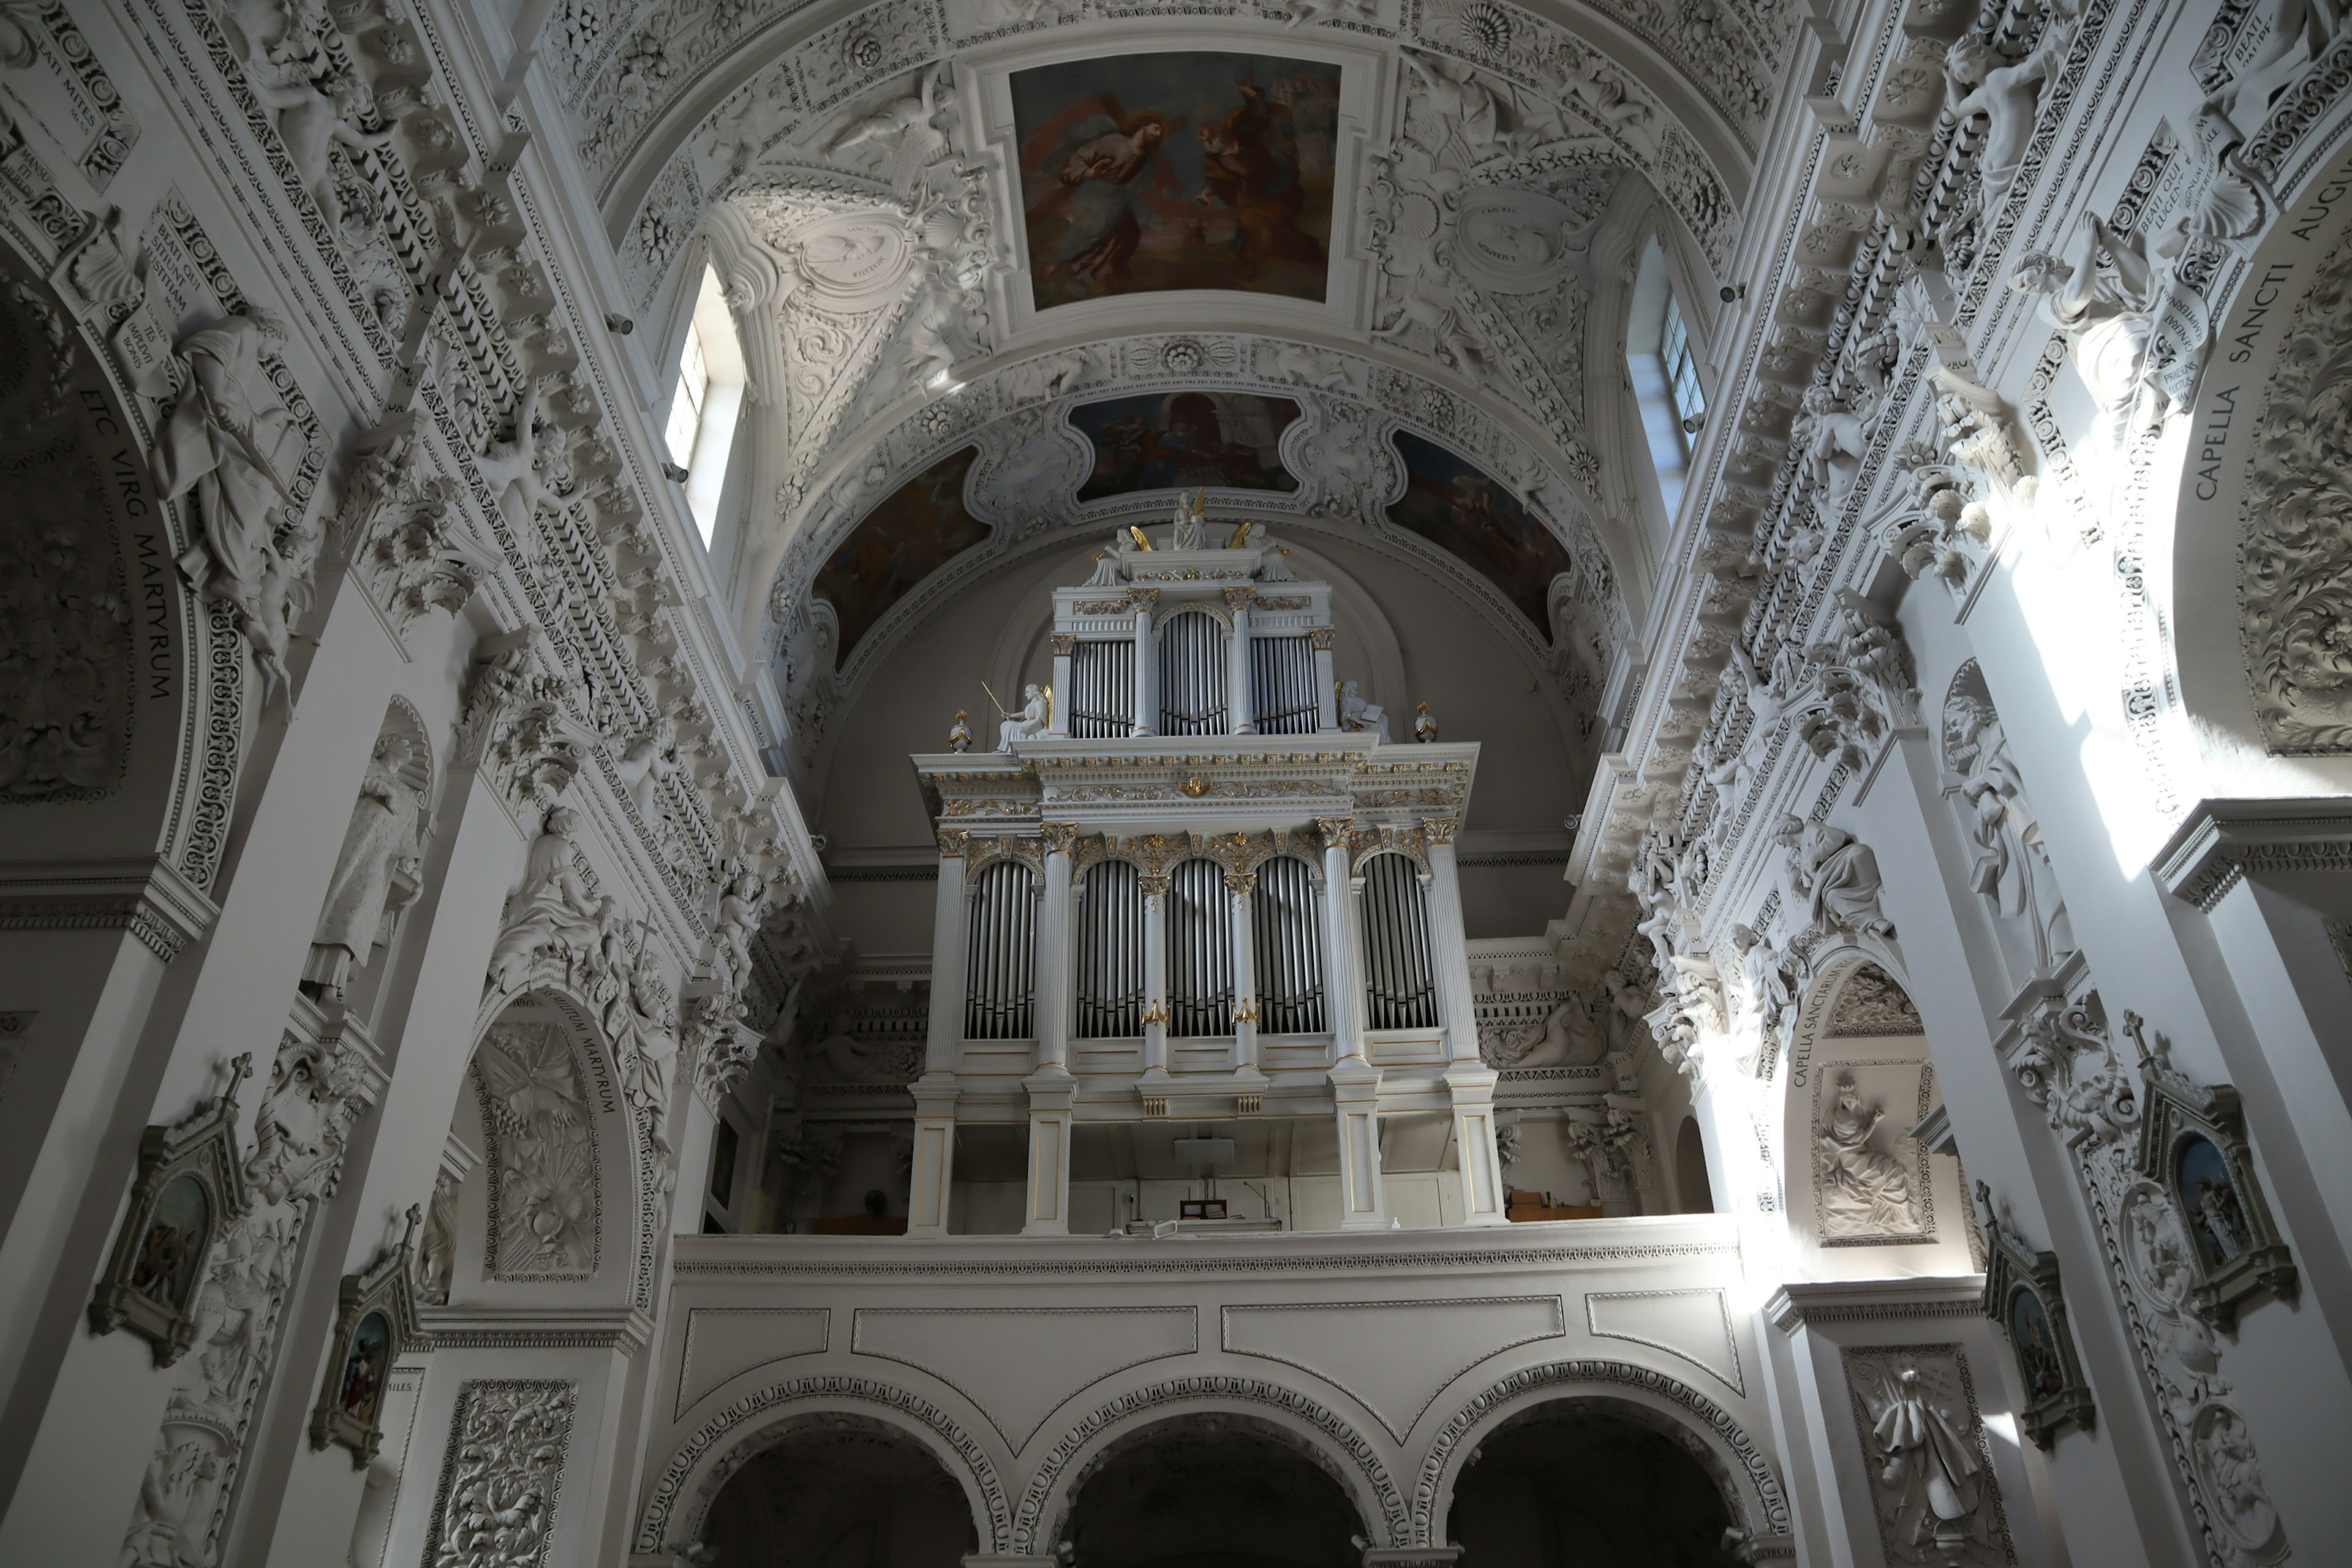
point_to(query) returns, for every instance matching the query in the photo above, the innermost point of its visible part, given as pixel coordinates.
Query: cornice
(1812, 1304)
(2223, 841)
(141, 894)
(1598, 1243)
(623, 1329)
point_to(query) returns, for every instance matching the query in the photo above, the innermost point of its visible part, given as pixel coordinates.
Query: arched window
(1662, 362)
(1399, 979)
(1192, 675)
(1200, 950)
(1001, 954)
(705, 401)
(1110, 953)
(1287, 948)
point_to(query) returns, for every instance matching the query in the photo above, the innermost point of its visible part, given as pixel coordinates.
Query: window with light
(703, 406)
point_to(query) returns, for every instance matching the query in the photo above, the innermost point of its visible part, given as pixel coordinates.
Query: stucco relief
(546, 1197)
(1871, 1181)
(1930, 1460)
(501, 1473)
(2067, 1061)
(2297, 587)
(317, 1090)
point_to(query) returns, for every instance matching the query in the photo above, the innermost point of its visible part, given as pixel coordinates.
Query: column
(1237, 683)
(1059, 708)
(1146, 673)
(1449, 941)
(1343, 963)
(1327, 681)
(1050, 1094)
(1355, 1081)
(1239, 886)
(1054, 940)
(1051, 1087)
(1354, 1096)
(935, 1091)
(1154, 1084)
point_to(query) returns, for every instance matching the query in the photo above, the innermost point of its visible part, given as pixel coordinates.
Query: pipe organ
(1197, 898)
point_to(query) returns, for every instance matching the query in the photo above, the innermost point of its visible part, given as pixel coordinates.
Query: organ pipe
(1399, 980)
(1287, 948)
(1111, 980)
(1102, 689)
(1200, 951)
(1191, 661)
(1282, 691)
(1001, 954)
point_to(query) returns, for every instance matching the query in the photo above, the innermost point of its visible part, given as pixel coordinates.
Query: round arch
(1752, 1492)
(1857, 1029)
(730, 1437)
(1305, 1425)
(629, 1160)
(2247, 489)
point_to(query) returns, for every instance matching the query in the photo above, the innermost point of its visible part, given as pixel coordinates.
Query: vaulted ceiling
(1407, 229)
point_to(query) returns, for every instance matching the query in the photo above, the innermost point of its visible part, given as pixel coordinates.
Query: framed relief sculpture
(2022, 1295)
(191, 1184)
(376, 1318)
(2192, 1143)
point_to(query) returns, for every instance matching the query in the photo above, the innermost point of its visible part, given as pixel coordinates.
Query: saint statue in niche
(378, 843)
(2209, 1198)
(165, 1268)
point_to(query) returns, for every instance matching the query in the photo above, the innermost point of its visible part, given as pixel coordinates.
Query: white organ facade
(1121, 784)
(1194, 897)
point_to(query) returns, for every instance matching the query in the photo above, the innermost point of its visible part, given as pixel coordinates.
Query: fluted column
(1240, 885)
(1343, 983)
(1051, 1087)
(1055, 931)
(1237, 680)
(1449, 944)
(1060, 723)
(1146, 673)
(1155, 988)
(1327, 681)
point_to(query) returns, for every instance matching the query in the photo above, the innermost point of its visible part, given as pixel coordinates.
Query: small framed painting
(190, 1184)
(377, 1318)
(2192, 1143)
(2023, 1294)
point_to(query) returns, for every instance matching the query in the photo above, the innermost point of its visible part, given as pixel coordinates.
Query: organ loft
(1186, 891)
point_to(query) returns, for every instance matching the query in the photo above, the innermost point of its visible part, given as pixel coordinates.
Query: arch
(2257, 564)
(827, 1481)
(712, 1455)
(1356, 397)
(136, 746)
(640, 1156)
(1337, 1447)
(1752, 1491)
(1255, 1452)
(1855, 996)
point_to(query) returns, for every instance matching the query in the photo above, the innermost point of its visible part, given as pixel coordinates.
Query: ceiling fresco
(1455, 505)
(916, 530)
(1168, 440)
(1154, 172)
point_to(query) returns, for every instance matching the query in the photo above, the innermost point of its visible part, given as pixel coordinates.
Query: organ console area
(1193, 918)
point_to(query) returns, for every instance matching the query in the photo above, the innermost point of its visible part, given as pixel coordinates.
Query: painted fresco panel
(1177, 171)
(914, 532)
(1165, 440)
(1454, 504)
